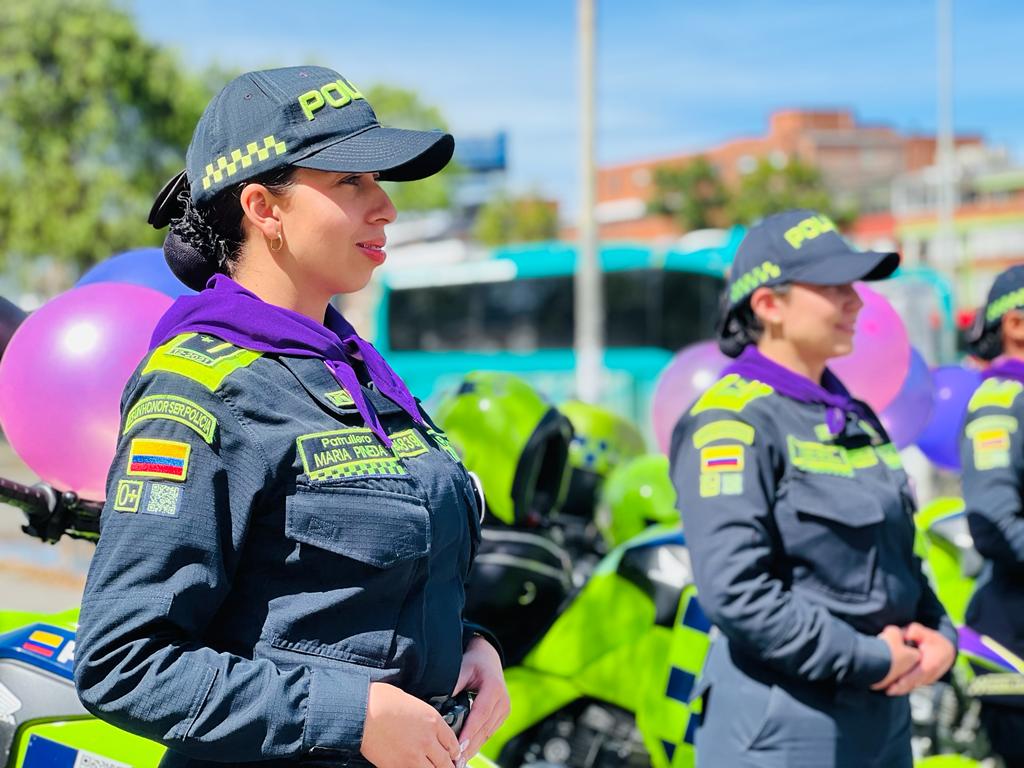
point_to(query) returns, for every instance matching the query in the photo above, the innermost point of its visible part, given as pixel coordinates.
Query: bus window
(524, 315)
(691, 308)
(644, 308)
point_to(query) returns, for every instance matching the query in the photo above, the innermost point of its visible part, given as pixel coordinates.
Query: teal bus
(513, 312)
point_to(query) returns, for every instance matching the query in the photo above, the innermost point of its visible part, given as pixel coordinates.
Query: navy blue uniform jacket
(264, 558)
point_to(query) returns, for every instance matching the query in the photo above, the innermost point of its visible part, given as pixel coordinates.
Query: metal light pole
(588, 308)
(945, 236)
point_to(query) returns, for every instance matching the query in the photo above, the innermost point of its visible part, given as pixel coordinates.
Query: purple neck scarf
(831, 393)
(1005, 368)
(227, 310)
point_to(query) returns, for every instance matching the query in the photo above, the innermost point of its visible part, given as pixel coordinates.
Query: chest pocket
(358, 551)
(830, 529)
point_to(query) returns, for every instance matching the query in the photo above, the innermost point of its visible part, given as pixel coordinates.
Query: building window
(642, 177)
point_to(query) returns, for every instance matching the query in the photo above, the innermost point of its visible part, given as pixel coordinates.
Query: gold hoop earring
(279, 240)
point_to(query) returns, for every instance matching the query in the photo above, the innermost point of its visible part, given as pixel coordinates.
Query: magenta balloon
(62, 376)
(910, 411)
(684, 379)
(874, 372)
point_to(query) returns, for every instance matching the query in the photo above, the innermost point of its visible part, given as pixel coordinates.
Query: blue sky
(672, 76)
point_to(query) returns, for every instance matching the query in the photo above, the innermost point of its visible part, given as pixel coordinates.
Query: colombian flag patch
(43, 643)
(721, 458)
(159, 458)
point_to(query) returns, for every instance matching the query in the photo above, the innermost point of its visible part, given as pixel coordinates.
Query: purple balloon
(141, 266)
(874, 372)
(908, 414)
(62, 375)
(688, 374)
(952, 387)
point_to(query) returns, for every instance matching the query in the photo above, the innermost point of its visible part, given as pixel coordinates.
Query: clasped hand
(920, 656)
(403, 732)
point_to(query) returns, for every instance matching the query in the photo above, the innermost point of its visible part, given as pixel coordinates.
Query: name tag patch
(408, 443)
(353, 452)
(819, 458)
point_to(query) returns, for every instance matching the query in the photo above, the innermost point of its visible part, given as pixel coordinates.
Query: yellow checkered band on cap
(226, 166)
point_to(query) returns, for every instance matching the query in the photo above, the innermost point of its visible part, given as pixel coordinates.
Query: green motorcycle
(596, 673)
(42, 722)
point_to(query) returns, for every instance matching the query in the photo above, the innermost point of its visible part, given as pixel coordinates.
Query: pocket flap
(374, 527)
(838, 499)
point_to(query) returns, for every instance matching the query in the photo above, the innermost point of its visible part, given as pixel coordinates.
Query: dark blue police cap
(801, 246)
(1006, 293)
(310, 117)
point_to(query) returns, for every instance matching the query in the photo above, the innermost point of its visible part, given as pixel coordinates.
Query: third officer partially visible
(992, 454)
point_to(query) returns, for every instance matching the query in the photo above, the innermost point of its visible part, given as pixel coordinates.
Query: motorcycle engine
(587, 736)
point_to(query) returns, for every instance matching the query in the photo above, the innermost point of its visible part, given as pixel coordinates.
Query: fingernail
(461, 763)
(464, 746)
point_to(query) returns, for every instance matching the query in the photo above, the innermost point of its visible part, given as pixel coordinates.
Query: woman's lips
(373, 250)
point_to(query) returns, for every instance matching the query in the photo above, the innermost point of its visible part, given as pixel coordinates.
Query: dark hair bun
(187, 262)
(734, 326)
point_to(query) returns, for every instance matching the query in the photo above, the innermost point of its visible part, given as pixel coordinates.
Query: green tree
(692, 194)
(506, 219)
(93, 119)
(403, 108)
(770, 189)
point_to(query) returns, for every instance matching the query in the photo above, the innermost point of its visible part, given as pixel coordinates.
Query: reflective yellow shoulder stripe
(731, 393)
(995, 392)
(726, 429)
(210, 376)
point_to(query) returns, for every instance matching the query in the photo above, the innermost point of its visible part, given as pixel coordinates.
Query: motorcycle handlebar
(52, 513)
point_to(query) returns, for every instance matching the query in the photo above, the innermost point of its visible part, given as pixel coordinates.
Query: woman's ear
(258, 207)
(766, 306)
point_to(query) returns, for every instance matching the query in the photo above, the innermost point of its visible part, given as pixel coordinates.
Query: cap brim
(397, 154)
(848, 267)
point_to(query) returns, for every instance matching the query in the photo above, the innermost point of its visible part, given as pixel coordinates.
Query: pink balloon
(688, 374)
(62, 376)
(874, 372)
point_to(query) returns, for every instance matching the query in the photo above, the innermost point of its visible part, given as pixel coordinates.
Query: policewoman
(992, 457)
(798, 517)
(286, 537)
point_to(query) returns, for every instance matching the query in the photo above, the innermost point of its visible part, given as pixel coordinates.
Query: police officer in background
(286, 536)
(798, 516)
(992, 454)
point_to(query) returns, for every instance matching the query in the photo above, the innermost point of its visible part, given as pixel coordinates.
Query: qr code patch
(163, 499)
